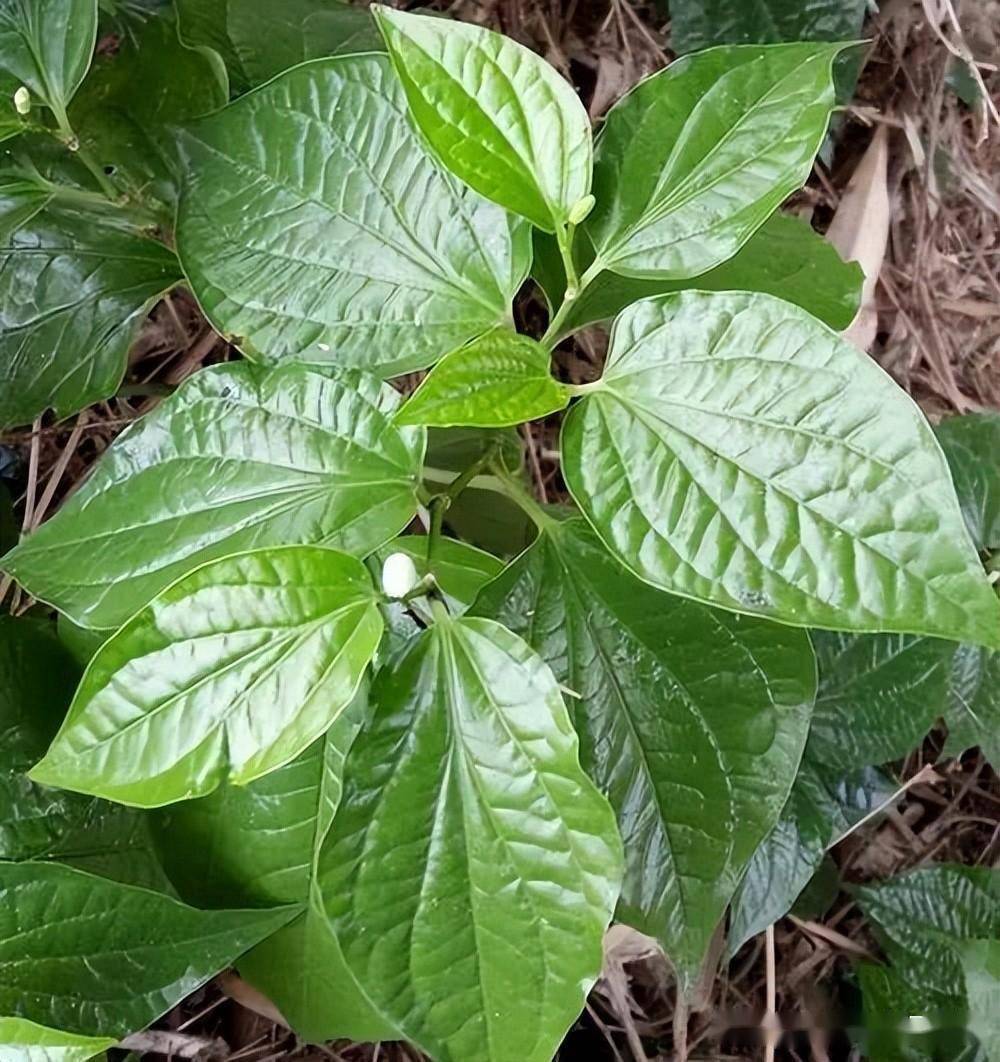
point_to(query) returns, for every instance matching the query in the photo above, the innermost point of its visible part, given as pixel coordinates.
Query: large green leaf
(497, 381)
(785, 257)
(129, 132)
(227, 674)
(821, 808)
(923, 916)
(691, 720)
(241, 456)
(315, 226)
(24, 1041)
(74, 287)
(103, 959)
(46, 45)
(495, 113)
(695, 158)
(472, 867)
(972, 446)
(258, 845)
(739, 452)
(37, 679)
(878, 696)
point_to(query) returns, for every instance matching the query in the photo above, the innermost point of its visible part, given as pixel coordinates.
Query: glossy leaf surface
(240, 457)
(460, 570)
(258, 846)
(695, 158)
(24, 1041)
(497, 381)
(130, 133)
(496, 114)
(103, 959)
(738, 452)
(695, 748)
(74, 288)
(46, 45)
(315, 226)
(226, 675)
(37, 680)
(472, 867)
(972, 445)
(878, 696)
(785, 257)
(821, 808)
(922, 916)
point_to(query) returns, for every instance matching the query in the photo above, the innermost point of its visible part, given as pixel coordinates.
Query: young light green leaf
(922, 917)
(133, 953)
(971, 444)
(226, 675)
(46, 45)
(241, 456)
(495, 113)
(695, 158)
(472, 867)
(315, 226)
(821, 808)
(696, 773)
(130, 133)
(74, 287)
(497, 381)
(878, 696)
(739, 452)
(24, 1041)
(258, 847)
(460, 570)
(785, 257)
(37, 680)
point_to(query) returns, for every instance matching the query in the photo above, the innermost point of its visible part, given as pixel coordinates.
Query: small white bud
(580, 210)
(399, 575)
(22, 100)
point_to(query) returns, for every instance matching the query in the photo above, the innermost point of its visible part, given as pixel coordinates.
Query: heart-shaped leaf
(497, 381)
(258, 846)
(102, 959)
(695, 158)
(495, 113)
(242, 456)
(315, 226)
(46, 45)
(691, 720)
(472, 867)
(24, 1041)
(739, 452)
(74, 287)
(226, 675)
(785, 257)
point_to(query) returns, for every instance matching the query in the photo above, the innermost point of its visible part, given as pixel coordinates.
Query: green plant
(425, 780)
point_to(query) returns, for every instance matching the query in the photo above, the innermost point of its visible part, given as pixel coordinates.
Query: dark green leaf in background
(75, 285)
(472, 867)
(739, 452)
(496, 114)
(90, 956)
(24, 1041)
(973, 714)
(695, 158)
(972, 446)
(241, 456)
(129, 130)
(785, 257)
(226, 675)
(497, 381)
(257, 846)
(46, 45)
(315, 226)
(691, 720)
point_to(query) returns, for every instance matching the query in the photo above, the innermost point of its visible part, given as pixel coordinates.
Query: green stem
(519, 494)
(440, 502)
(564, 237)
(572, 294)
(72, 142)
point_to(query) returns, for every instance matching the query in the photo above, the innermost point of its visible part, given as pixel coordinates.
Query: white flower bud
(399, 575)
(581, 209)
(22, 100)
